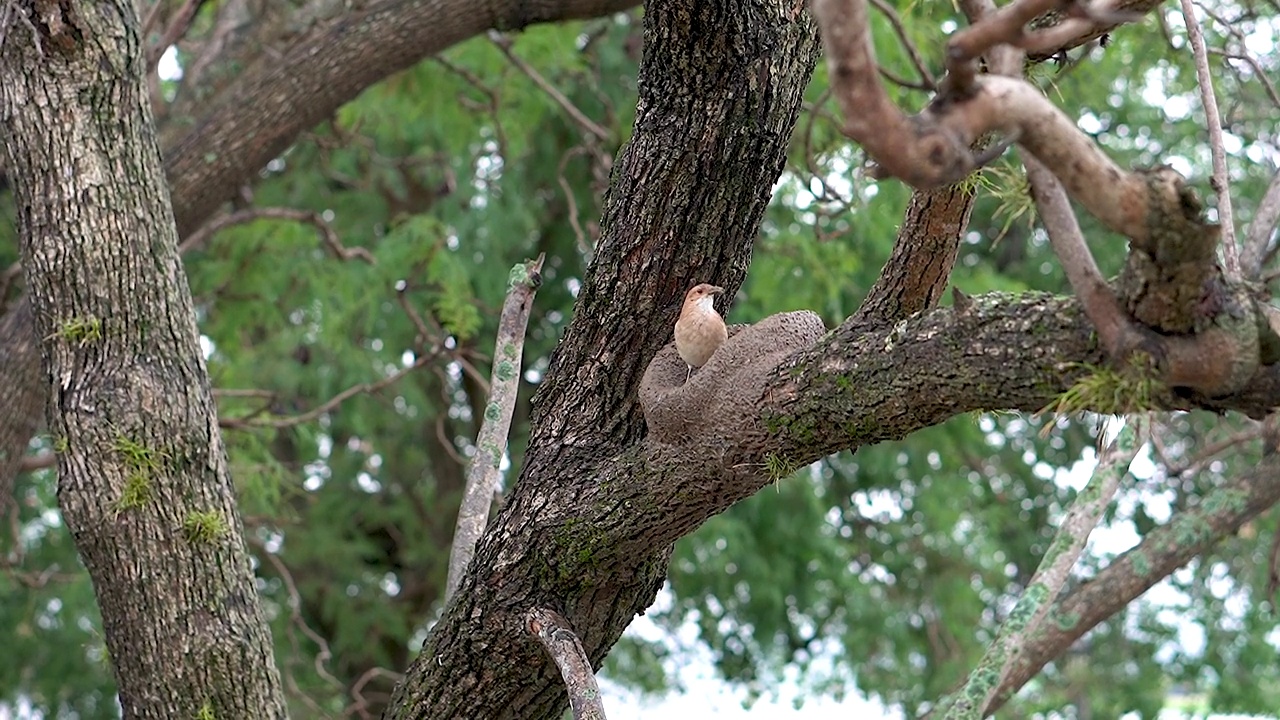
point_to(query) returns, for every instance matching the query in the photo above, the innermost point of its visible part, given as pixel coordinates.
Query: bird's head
(703, 295)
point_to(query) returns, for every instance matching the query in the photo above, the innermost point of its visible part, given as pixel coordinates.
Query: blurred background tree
(348, 303)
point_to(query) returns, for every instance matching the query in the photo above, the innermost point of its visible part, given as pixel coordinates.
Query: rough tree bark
(589, 525)
(143, 479)
(270, 77)
(720, 90)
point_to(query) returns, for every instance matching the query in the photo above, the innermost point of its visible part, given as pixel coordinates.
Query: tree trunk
(720, 90)
(143, 479)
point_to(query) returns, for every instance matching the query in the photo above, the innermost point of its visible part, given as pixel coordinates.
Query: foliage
(897, 560)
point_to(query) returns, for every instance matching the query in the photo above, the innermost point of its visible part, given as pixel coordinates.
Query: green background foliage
(893, 564)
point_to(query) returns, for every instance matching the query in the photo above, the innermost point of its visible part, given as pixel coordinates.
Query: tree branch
(1187, 535)
(1027, 617)
(563, 645)
(491, 442)
(1220, 180)
(933, 148)
(288, 91)
(1263, 224)
(1170, 283)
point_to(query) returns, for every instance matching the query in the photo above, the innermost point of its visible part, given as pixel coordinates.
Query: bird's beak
(717, 290)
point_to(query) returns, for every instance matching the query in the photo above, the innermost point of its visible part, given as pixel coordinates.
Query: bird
(700, 329)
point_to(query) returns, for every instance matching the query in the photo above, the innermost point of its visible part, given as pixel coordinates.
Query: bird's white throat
(706, 303)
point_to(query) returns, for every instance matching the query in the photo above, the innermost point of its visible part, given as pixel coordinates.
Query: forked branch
(1198, 330)
(933, 147)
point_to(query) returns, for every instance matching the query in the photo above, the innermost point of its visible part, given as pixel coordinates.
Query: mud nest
(727, 390)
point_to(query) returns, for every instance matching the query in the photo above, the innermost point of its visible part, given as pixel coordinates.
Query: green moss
(61, 444)
(206, 712)
(1191, 530)
(137, 491)
(136, 455)
(141, 463)
(81, 331)
(1141, 563)
(578, 549)
(1228, 500)
(492, 412)
(204, 527)
(505, 370)
(1066, 621)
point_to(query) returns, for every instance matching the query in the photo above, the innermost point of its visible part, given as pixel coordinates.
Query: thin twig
(177, 28)
(327, 234)
(1212, 450)
(1220, 181)
(1258, 71)
(331, 404)
(38, 462)
(580, 118)
(491, 441)
(446, 443)
(926, 78)
(562, 644)
(153, 15)
(583, 244)
(1055, 567)
(323, 654)
(361, 703)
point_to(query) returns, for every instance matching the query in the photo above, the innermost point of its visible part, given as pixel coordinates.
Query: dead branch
(491, 441)
(1116, 331)
(1259, 73)
(564, 647)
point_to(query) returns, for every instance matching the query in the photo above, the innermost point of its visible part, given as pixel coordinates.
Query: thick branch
(491, 442)
(923, 256)
(1170, 283)
(291, 90)
(1115, 328)
(22, 393)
